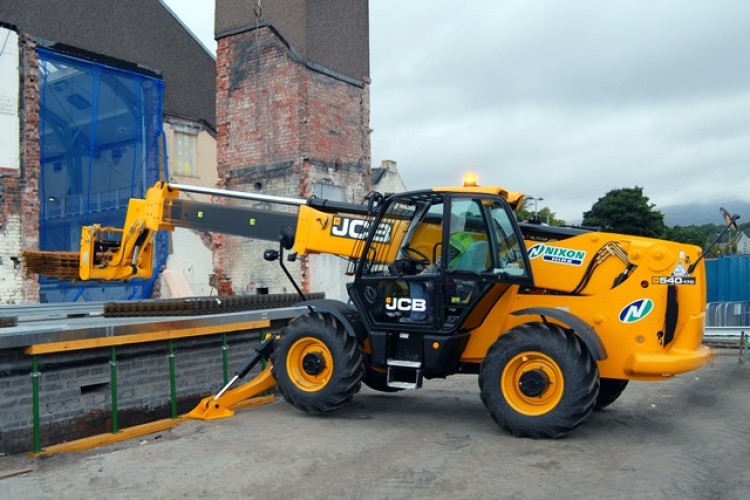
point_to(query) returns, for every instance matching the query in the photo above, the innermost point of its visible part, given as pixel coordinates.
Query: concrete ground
(684, 438)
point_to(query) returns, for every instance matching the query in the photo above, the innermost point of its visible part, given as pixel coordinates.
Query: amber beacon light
(470, 180)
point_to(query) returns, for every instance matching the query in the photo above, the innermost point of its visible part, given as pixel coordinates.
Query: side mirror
(270, 255)
(730, 220)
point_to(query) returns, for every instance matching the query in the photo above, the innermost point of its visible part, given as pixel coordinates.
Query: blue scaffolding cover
(101, 141)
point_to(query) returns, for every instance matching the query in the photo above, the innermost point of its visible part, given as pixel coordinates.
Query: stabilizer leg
(219, 406)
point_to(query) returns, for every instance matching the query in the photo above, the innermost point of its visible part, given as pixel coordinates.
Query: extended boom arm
(315, 226)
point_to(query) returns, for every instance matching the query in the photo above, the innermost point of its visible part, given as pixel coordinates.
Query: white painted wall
(391, 181)
(9, 78)
(743, 244)
(11, 274)
(327, 274)
(190, 259)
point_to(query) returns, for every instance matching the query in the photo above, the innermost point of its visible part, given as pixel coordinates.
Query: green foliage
(688, 235)
(705, 234)
(549, 217)
(628, 211)
(625, 211)
(545, 215)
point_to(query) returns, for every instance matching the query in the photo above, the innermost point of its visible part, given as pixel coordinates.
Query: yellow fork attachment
(219, 406)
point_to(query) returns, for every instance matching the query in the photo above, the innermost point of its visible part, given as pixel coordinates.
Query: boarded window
(184, 161)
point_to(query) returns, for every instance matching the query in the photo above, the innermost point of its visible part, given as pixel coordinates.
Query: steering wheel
(415, 256)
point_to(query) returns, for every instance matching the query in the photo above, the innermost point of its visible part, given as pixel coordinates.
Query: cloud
(564, 100)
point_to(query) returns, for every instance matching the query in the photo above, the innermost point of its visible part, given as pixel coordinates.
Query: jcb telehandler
(555, 321)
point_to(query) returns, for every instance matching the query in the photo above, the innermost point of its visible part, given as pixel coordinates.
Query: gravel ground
(684, 438)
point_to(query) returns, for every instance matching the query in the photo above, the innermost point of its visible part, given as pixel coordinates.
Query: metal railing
(113, 344)
(78, 204)
(728, 314)
(727, 321)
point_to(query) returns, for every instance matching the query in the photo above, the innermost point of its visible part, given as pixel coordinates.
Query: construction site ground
(685, 438)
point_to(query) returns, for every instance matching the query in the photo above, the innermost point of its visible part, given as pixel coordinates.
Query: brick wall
(75, 388)
(19, 189)
(281, 128)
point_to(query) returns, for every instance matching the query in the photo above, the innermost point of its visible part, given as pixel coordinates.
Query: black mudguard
(344, 313)
(582, 329)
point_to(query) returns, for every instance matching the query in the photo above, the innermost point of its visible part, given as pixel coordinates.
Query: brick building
(287, 99)
(89, 90)
(292, 120)
(19, 179)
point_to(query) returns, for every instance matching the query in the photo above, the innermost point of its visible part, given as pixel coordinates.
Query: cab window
(510, 258)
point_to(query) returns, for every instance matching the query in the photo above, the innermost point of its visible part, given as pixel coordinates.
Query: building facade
(106, 92)
(292, 120)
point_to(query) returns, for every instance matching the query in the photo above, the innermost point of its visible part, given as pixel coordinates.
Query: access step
(403, 374)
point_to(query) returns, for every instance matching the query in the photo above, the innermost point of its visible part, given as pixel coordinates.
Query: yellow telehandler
(554, 320)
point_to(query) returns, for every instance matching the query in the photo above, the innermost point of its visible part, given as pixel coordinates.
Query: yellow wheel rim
(309, 364)
(533, 383)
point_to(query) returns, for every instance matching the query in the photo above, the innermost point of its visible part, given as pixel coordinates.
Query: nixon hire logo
(636, 310)
(557, 254)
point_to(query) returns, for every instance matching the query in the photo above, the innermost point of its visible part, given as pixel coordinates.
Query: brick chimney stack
(293, 112)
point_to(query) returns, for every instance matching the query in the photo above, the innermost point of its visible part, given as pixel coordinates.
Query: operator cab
(432, 257)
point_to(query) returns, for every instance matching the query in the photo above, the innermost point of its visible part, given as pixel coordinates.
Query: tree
(549, 217)
(545, 214)
(688, 235)
(626, 211)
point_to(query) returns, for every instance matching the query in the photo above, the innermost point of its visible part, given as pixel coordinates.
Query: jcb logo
(356, 229)
(405, 304)
(636, 310)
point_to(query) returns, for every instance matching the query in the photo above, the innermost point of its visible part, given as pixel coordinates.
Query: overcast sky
(563, 100)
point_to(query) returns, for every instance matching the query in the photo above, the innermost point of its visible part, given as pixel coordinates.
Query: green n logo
(636, 310)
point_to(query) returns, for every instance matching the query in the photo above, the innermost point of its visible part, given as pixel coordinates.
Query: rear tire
(538, 381)
(317, 366)
(609, 390)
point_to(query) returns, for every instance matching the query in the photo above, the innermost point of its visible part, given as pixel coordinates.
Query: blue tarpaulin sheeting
(100, 138)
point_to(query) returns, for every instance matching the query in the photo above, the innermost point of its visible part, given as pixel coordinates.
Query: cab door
(484, 256)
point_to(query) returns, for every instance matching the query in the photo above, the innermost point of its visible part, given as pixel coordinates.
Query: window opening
(185, 153)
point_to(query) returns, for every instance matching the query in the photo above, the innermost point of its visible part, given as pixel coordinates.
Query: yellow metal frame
(140, 338)
(241, 397)
(134, 258)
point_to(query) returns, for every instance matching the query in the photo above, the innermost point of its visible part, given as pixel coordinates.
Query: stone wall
(75, 396)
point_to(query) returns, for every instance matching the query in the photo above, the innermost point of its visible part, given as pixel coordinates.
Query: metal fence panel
(728, 278)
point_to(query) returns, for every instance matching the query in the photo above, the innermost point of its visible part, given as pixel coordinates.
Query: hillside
(704, 213)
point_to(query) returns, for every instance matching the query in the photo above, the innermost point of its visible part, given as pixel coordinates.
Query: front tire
(538, 381)
(317, 366)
